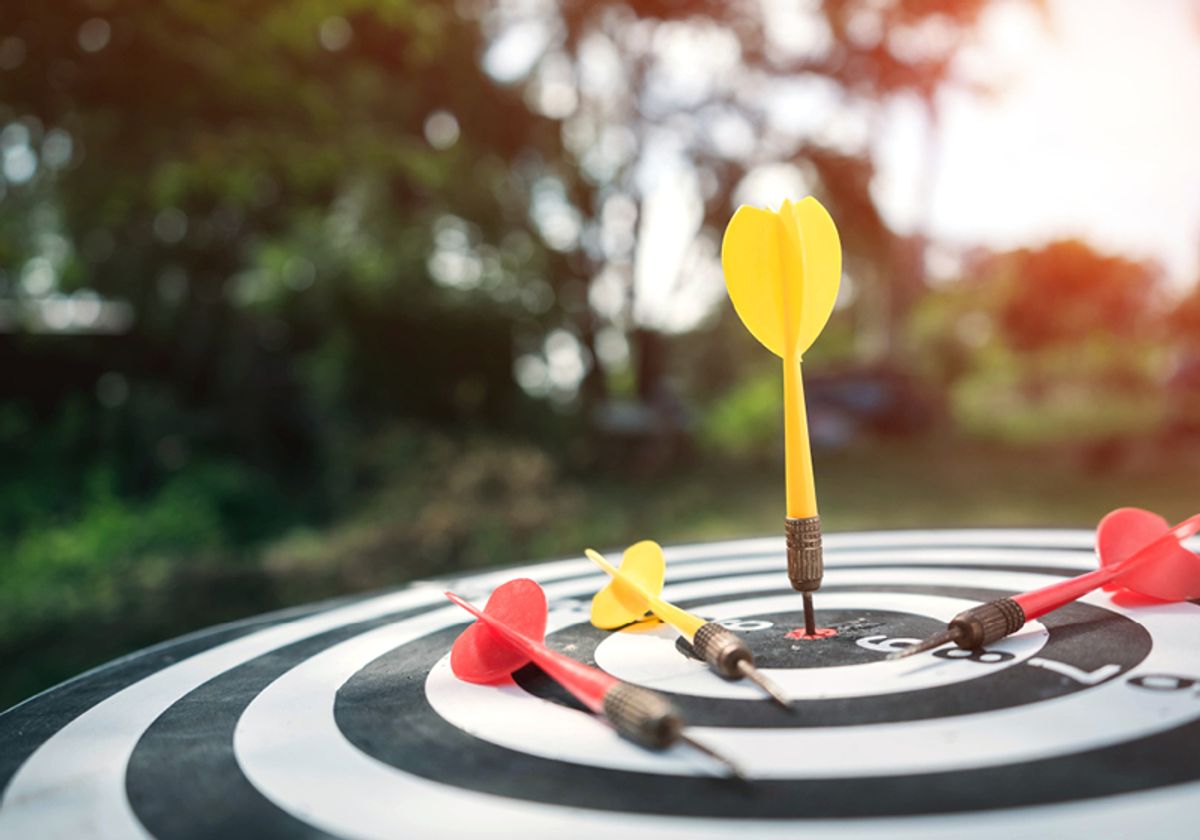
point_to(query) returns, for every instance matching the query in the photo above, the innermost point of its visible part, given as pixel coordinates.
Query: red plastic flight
(1138, 550)
(508, 635)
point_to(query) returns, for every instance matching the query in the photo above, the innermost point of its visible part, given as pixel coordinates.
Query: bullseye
(820, 633)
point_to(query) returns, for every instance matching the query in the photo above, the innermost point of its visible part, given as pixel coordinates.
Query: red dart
(1138, 550)
(508, 635)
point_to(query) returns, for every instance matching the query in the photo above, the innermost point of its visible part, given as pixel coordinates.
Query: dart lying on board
(782, 272)
(1138, 551)
(635, 590)
(508, 636)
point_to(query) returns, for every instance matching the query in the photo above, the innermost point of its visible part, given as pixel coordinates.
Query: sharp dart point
(733, 767)
(810, 620)
(943, 637)
(756, 676)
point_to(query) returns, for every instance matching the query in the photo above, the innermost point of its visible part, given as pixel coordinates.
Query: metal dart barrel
(972, 629)
(649, 719)
(729, 655)
(805, 562)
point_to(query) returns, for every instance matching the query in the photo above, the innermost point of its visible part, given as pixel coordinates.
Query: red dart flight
(509, 636)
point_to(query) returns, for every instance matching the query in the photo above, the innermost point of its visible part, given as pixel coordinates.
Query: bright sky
(1096, 133)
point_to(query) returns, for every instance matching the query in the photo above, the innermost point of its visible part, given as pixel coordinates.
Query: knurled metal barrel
(987, 623)
(642, 716)
(722, 649)
(805, 561)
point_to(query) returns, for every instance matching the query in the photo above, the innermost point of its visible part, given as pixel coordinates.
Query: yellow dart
(636, 590)
(782, 271)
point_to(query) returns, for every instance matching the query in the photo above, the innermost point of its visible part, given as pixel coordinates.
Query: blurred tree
(1065, 292)
(1184, 319)
(666, 106)
(1183, 382)
(1059, 344)
(314, 209)
(236, 240)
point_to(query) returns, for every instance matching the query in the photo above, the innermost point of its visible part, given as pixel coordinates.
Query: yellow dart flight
(636, 591)
(782, 271)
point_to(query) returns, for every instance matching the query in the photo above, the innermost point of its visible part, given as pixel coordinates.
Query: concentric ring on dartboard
(866, 743)
(651, 657)
(370, 698)
(76, 770)
(980, 686)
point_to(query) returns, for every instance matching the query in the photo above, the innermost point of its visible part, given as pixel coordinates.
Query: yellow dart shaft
(682, 620)
(801, 489)
(801, 493)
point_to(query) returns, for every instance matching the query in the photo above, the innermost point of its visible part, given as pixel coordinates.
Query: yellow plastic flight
(635, 591)
(782, 271)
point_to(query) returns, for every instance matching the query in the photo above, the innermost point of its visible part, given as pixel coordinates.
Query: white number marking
(747, 624)
(1078, 674)
(883, 643)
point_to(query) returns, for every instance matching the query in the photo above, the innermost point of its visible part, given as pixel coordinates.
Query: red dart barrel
(587, 684)
(1038, 602)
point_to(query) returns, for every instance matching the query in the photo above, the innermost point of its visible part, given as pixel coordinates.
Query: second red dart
(1138, 551)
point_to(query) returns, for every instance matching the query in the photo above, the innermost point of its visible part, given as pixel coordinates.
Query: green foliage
(436, 504)
(1056, 346)
(748, 420)
(1102, 390)
(90, 565)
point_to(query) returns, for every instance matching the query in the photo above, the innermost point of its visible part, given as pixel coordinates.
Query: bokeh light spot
(57, 149)
(112, 389)
(335, 33)
(94, 35)
(170, 225)
(12, 53)
(441, 130)
(20, 164)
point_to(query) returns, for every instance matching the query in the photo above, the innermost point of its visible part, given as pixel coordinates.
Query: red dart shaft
(1038, 602)
(587, 684)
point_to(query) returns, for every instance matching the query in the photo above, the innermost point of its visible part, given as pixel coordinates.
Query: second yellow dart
(636, 590)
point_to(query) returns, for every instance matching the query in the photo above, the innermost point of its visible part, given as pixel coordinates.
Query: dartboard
(344, 719)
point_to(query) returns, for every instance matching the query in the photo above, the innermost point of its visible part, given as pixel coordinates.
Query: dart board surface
(344, 720)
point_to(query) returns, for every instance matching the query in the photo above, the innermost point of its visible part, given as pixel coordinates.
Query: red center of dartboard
(822, 633)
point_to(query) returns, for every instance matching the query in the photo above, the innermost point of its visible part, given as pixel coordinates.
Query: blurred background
(300, 298)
